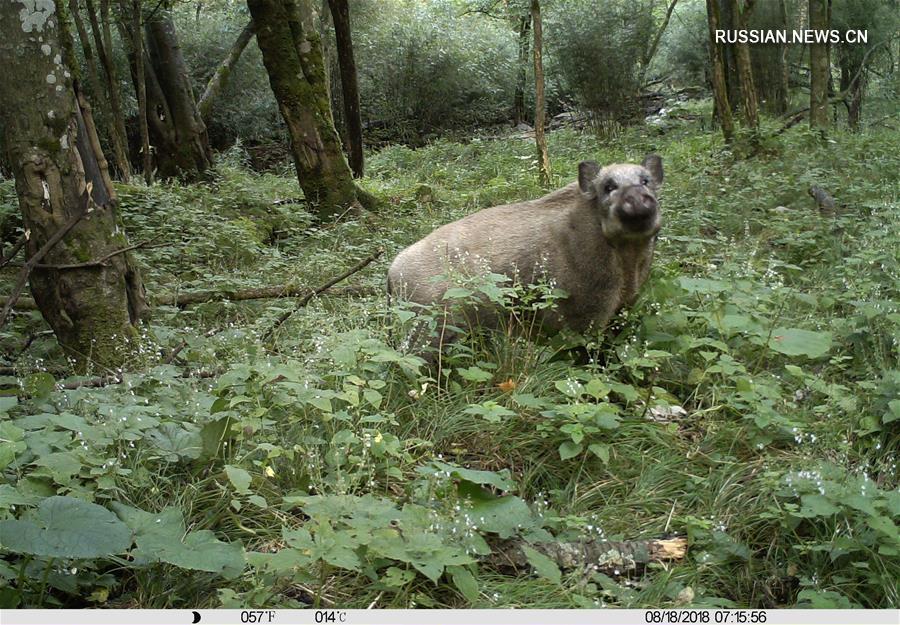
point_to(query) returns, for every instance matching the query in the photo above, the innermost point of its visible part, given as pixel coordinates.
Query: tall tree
(220, 77)
(176, 126)
(133, 38)
(717, 73)
(340, 14)
(100, 30)
(292, 54)
(819, 68)
(65, 194)
(749, 101)
(539, 101)
(519, 114)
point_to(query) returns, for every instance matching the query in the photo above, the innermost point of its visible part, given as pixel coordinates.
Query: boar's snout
(638, 209)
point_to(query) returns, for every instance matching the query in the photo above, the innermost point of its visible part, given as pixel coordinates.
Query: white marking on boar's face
(625, 196)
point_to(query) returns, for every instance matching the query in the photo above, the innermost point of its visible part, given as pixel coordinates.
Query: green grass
(774, 328)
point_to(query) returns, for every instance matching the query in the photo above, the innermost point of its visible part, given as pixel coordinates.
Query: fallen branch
(311, 294)
(614, 558)
(18, 245)
(191, 298)
(36, 258)
(97, 262)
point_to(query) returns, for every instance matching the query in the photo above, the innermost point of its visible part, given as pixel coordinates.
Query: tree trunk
(729, 58)
(785, 90)
(340, 14)
(749, 101)
(93, 75)
(519, 113)
(219, 79)
(539, 104)
(103, 43)
(176, 127)
(292, 54)
(717, 63)
(819, 68)
(61, 175)
(852, 88)
(650, 50)
(134, 45)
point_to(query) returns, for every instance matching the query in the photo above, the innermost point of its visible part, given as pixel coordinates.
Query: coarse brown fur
(594, 239)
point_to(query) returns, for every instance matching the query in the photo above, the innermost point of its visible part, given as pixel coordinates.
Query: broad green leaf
(569, 450)
(39, 385)
(797, 342)
(543, 566)
(7, 403)
(601, 451)
(474, 374)
(817, 505)
(485, 478)
(160, 537)
(66, 527)
(174, 442)
(465, 582)
(11, 443)
(503, 516)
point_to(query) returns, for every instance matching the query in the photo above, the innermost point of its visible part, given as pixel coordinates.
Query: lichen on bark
(61, 173)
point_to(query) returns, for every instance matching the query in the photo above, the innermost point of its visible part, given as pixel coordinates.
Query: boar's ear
(653, 164)
(587, 172)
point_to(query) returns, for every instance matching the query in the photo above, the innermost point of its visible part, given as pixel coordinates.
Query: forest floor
(751, 402)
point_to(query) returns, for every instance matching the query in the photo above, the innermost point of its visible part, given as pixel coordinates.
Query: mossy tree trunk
(340, 14)
(717, 73)
(60, 172)
(819, 68)
(292, 54)
(539, 101)
(749, 101)
(176, 127)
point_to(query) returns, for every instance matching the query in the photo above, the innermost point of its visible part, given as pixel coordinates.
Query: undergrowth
(750, 401)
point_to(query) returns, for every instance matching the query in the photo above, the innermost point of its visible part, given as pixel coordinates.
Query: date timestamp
(703, 617)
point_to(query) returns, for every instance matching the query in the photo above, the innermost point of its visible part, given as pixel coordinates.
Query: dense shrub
(597, 48)
(424, 68)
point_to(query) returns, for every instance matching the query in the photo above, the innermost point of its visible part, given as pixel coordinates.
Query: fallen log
(192, 298)
(613, 558)
(312, 293)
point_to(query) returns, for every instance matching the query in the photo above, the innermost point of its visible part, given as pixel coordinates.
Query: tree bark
(852, 86)
(749, 101)
(717, 63)
(220, 78)
(819, 68)
(519, 113)
(292, 54)
(93, 74)
(539, 102)
(340, 14)
(62, 177)
(729, 58)
(134, 45)
(103, 43)
(176, 127)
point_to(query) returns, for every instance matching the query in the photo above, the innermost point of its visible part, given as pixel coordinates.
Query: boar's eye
(645, 180)
(609, 187)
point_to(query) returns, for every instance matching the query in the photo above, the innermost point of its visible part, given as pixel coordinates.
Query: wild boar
(593, 239)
